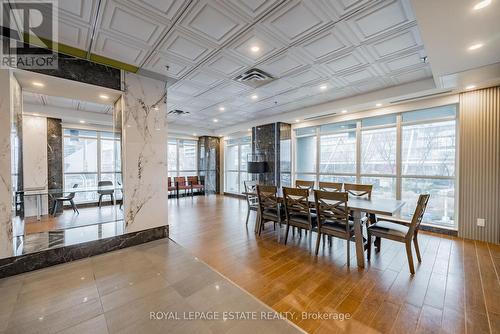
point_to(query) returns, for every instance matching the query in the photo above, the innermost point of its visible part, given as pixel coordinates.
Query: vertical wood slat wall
(479, 161)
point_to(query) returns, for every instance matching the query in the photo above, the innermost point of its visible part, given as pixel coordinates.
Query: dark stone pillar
(54, 155)
(266, 142)
(209, 163)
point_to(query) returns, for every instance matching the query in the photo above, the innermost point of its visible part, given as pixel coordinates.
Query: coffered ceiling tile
(295, 20)
(252, 9)
(79, 10)
(380, 19)
(326, 44)
(211, 20)
(397, 43)
(306, 77)
(185, 47)
(404, 62)
(277, 86)
(177, 67)
(119, 19)
(187, 88)
(282, 65)
(74, 34)
(168, 9)
(227, 65)
(204, 77)
(413, 75)
(341, 8)
(359, 75)
(371, 85)
(346, 62)
(255, 45)
(122, 50)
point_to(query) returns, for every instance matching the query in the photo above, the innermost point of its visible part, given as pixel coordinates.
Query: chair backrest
(418, 215)
(181, 180)
(72, 195)
(296, 202)
(104, 184)
(332, 207)
(267, 198)
(193, 180)
(251, 192)
(169, 181)
(301, 184)
(330, 186)
(359, 190)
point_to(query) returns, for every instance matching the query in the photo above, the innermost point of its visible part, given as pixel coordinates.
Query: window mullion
(399, 154)
(358, 151)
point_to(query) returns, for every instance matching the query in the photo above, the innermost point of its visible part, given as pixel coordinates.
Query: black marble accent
(209, 162)
(50, 257)
(439, 230)
(266, 141)
(54, 156)
(86, 71)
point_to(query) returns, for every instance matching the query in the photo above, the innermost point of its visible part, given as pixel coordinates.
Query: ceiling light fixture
(215, 120)
(249, 130)
(104, 96)
(481, 4)
(222, 108)
(194, 134)
(323, 87)
(297, 120)
(35, 114)
(470, 87)
(344, 111)
(255, 49)
(255, 97)
(378, 105)
(38, 84)
(82, 122)
(475, 46)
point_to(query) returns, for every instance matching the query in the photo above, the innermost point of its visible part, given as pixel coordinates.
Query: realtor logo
(29, 34)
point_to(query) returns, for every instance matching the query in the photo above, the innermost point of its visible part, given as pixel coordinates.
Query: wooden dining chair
(333, 218)
(359, 190)
(251, 197)
(269, 208)
(400, 230)
(301, 184)
(330, 186)
(297, 210)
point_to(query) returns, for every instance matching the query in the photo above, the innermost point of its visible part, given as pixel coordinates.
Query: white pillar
(144, 136)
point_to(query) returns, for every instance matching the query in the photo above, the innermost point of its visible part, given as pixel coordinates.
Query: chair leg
(261, 227)
(369, 244)
(100, 200)
(286, 232)
(56, 206)
(410, 257)
(318, 241)
(348, 253)
(53, 212)
(112, 199)
(248, 216)
(417, 250)
(74, 207)
(378, 244)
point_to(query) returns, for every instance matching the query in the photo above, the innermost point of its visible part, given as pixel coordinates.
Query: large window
(235, 164)
(182, 157)
(368, 151)
(89, 157)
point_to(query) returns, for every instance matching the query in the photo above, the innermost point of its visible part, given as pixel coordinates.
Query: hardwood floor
(456, 288)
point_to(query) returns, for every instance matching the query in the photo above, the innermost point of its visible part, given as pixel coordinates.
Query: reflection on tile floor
(116, 293)
(46, 240)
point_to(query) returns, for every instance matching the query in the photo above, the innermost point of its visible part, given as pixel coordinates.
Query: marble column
(54, 156)
(10, 99)
(209, 162)
(144, 142)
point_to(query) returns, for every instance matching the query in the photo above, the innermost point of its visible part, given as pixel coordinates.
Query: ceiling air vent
(254, 78)
(177, 112)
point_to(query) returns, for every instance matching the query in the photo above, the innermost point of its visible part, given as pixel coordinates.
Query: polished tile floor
(119, 292)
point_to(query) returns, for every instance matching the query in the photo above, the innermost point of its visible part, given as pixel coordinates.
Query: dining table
(359, 206)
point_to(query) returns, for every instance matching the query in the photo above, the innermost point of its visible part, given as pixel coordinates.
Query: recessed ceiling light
(249, 130)
(344, 111)
(38, 84)
(156, 108)
(255, 49)
(475, 46)
(35, 114)
(222, 108)
(323, 87)
(83, 122)
(378, 105)
(215, 120)
(104, 96)
(470, 87)
(481, 4)
(255, 97)
(297, 120)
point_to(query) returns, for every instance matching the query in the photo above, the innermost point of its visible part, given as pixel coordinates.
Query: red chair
(181, 183)
(171, 186)
(194, 182)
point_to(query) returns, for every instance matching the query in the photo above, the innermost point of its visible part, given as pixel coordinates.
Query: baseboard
(50, 257)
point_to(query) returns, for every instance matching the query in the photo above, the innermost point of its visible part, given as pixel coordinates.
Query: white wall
(35, 161)
(144, 136)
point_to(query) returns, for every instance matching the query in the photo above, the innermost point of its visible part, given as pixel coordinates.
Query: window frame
(177, 172)
(239, 142)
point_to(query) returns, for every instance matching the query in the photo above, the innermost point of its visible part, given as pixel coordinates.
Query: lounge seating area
(190, 185)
